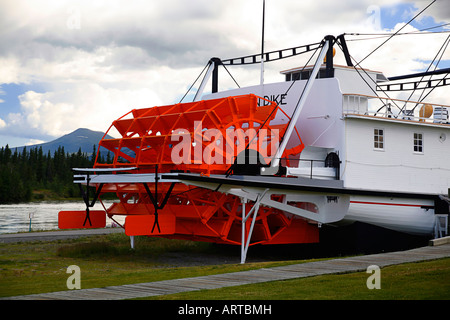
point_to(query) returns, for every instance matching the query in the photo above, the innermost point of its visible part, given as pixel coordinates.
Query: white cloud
(10, 70)
(82, 105)
(32, 142)
(96, 60)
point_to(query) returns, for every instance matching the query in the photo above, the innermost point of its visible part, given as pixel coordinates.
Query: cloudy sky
(70, 64)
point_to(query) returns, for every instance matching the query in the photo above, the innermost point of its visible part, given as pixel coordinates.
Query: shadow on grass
(354, 240)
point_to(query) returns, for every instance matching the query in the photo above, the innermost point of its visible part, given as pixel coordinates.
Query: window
(418, 142)
(378, 139)
(304, 75)
(295, 76)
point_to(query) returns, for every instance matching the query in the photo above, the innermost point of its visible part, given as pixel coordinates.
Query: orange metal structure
(79, 219)
(205, 137)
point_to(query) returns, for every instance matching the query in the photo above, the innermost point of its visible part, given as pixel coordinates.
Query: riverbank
(15, 218)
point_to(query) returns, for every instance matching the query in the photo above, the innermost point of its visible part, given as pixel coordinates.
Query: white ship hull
(412, 216)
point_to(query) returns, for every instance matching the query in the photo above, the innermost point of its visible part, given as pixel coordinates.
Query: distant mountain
(72, 142)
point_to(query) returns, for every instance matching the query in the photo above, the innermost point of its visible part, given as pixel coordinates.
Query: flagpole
(262, 43)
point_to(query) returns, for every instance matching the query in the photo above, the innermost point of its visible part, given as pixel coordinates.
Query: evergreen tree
(28, 170)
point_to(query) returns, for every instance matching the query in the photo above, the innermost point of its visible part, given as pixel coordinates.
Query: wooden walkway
(309, 269)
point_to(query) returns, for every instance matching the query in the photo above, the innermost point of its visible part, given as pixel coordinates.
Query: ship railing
(440, 226)
(312, 169)
(306, 168)
(373, 106)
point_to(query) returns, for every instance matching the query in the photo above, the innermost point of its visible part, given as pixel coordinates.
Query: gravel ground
(226, 254)
(54, 235)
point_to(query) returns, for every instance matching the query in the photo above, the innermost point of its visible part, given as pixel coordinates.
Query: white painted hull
(399, 214)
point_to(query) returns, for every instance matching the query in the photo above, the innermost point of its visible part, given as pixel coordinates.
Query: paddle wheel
(224, 136)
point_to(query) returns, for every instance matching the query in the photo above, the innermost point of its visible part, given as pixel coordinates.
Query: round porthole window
(442, 137)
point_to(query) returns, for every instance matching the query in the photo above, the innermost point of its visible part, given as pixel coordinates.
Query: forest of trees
(23, 175)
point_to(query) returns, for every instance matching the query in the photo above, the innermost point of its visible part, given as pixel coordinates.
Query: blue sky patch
(9, 94)
(390, 16)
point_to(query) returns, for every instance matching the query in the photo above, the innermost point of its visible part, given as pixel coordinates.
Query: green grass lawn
(428, 280)
(27, 268)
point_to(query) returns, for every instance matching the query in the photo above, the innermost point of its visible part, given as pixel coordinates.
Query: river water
(16, 217)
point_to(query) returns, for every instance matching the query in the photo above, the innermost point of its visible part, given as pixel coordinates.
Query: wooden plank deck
(333, 266)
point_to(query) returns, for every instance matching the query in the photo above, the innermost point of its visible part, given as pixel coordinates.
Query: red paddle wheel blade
(80, 220)
(204, 137)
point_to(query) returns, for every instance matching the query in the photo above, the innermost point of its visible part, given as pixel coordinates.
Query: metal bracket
(85, 196)
(154, 199)
(254, 211)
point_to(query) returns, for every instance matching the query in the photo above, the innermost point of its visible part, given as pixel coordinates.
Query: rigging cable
(384, 35)
(374, 91)
(306, 64)
(194, 82)
(445, 78)
(303, 91)
(230, 169)
(395, 33)
(443, 48)
(231, 75)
